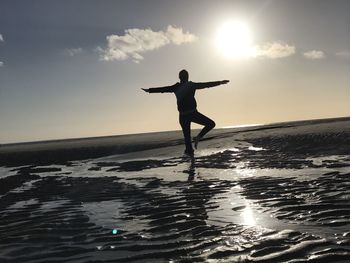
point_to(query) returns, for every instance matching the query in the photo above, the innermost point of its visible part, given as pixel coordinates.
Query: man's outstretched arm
(160, 89)
(203, 85)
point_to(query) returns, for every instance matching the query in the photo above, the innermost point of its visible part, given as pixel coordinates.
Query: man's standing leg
(185, 122)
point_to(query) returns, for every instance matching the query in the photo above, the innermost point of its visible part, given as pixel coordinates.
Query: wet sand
(271, 193)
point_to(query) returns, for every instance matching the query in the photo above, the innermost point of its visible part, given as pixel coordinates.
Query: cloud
(73, 51)
(136, 41)
(1, 40)
(178, 37)
(343, 54)
(274, 50)
(314, 54)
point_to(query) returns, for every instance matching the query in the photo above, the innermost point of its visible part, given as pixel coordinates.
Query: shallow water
(234, 204)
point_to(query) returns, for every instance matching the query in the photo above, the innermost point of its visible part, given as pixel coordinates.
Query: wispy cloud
(136, 41)
(274, 50)
(314, 54)
(73, 51)
(343, 54)
(1, 40)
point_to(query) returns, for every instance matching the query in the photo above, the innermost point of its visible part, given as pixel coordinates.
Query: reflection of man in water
(187, 106)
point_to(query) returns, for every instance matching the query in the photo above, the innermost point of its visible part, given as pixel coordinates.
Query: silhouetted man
(187, 106)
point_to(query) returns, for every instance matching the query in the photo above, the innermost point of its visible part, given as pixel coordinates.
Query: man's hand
(146, 90)
(225, 81)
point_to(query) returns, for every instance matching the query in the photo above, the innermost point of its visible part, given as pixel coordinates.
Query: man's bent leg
(202, 120)
(185, 123)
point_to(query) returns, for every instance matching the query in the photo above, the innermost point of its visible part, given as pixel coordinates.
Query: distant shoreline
(67, 150)
(156, 132)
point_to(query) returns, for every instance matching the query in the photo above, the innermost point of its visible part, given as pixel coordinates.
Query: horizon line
(150, 132)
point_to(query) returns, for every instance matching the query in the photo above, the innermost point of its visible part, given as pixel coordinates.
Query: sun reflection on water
(245, 171)
(248, 216)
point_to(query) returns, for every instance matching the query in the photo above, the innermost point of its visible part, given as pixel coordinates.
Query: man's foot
(189, 152)
(195, 141)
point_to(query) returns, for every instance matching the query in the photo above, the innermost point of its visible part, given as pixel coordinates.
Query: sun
(234, 40)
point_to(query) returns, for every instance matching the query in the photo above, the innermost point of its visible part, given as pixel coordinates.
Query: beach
(268, 193)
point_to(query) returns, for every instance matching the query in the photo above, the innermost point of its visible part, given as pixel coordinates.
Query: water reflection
(248, 216)
(191, 169)
(245, 172)
(252, 148)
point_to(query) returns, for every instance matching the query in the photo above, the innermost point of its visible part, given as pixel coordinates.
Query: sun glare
(234, 40)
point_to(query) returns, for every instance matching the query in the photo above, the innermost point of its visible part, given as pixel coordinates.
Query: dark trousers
(196, 117)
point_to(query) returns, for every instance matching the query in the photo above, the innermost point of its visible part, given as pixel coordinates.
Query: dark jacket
(184, 93)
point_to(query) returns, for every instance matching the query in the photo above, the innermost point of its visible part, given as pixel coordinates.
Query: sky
(71, 69)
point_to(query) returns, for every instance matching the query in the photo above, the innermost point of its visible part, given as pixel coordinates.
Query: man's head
(183, 75)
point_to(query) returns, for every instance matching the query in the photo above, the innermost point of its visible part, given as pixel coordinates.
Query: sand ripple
(71, 219)
(181, 210)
